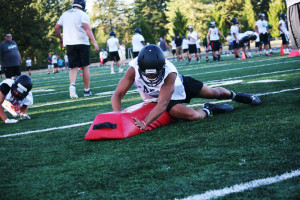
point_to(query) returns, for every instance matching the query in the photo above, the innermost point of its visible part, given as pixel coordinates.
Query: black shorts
(215, 45)
(192, 88)
(135, 54)
(114, 56)
(79, 55)
(235, 45)
(257, 44)
(55, 65)
(29, 67)
(192, 48)
(264, 38)
(185, 50)
(285, 39)
(173, 51)
(244, 41)
(12, 71)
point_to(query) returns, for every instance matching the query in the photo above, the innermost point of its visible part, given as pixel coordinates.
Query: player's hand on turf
(140, 124)
(25, 116)
(11, 121)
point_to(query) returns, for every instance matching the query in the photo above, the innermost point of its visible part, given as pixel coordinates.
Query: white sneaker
(120, 70)
(73, 94)
(112, 72)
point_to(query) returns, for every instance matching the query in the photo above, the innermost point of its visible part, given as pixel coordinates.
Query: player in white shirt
(234, 30)
(113, 49)
(54, 63)
(122, 54)
(284, 33)
(76, 35)
(173, 48)
(158, 81)
(66, 61)
(138, 42)
(261, 27)
(192, 37)
(244, 41)
(213, 39)
(15, 96)
(28, 65)
(185, 47)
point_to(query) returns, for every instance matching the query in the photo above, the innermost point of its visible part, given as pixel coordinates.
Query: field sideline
(251, 153)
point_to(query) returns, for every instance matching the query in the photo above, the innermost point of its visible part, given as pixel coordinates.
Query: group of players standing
(187, 46)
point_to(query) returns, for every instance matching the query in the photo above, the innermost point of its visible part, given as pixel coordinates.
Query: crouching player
(16, 93)
(158, 80)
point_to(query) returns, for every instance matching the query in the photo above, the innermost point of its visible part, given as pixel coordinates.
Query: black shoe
(207, 60)
(218, 108)
(247, 98)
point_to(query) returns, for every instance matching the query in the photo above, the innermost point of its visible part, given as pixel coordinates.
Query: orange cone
(243, 56)
(294, 53)
(281, 51)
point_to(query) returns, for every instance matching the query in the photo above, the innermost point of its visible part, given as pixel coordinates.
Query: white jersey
(137, 40)
(229, 39)
(28, 100)
(54, 59)
(262, 26)
(73, 31)
(66, 58)
(234, 29)
(192, 37)
(283, 27)
(185, 44)
(198, 42)
(112, 44)
(28, 63)
(122, 50)
(214, 34)
(150, 94)
(104, 56)
(173, 45)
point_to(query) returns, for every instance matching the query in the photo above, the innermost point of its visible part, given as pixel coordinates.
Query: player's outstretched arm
(165, 95)
(122, 88)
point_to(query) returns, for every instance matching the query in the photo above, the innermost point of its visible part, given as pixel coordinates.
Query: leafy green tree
(276, 8)
(179, 24)
(248, 16)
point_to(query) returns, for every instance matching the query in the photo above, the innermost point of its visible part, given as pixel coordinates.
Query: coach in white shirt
(138, 42)
(76, 35)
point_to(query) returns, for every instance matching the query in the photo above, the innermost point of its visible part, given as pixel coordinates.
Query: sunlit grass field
(47, 157)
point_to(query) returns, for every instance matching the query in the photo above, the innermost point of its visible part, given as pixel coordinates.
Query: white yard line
(86, 123)
(212, 194)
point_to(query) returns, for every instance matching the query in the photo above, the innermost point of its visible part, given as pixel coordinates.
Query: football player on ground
(192, 37)
(213, 39)
(284, 33)
(261, 27)
(113, 49)
(158, 81)
(234, 30)
(18, 94)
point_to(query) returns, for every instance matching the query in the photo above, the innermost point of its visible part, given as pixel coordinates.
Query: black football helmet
(138, 30)
(151, 62)
(79, 3)
(234, 20)
(212, 24)
(112, 33)
(21, 87)
(282, 16)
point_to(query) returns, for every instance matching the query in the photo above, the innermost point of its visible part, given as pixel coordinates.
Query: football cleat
(218, 108)
(87, 93)
(247, 98)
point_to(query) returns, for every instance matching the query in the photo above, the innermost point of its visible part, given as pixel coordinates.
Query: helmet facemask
(152, 77)
(19, 91)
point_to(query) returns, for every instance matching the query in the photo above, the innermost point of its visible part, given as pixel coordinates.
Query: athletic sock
(72, 84)
(86, 90)
(233, 95)
(206, 111)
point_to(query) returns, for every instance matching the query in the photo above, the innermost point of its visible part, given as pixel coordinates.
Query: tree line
(32, 22)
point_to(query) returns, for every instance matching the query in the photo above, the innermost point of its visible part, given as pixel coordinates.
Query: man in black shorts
(192, 37)
(76, 38)
(157, 80)
(10, 57)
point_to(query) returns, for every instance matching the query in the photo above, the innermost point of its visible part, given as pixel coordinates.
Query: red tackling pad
(118, 125)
